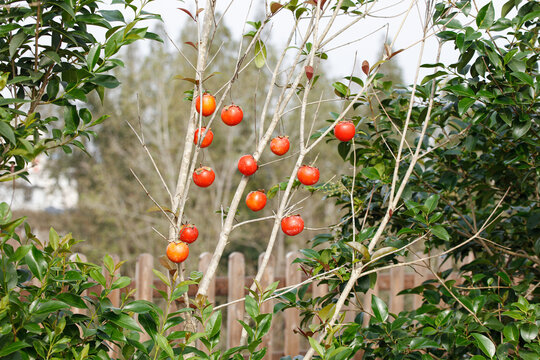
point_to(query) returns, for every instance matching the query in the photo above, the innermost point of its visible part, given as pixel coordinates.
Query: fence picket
(144, 278)
(204, 261)
(236, 289)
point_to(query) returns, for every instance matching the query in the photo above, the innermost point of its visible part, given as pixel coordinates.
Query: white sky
(340, 60)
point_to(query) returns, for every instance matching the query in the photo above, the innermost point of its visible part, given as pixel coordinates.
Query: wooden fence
(282, 339)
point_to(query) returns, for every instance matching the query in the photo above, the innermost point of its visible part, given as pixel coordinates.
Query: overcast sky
(388, 17)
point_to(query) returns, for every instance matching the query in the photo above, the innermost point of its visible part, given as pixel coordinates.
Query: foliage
(474, 191)
(42, 283)
(49, 56)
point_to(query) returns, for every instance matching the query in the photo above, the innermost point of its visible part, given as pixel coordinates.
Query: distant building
(42, 193)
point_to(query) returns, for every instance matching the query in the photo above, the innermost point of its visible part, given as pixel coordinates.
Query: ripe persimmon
(177, 252)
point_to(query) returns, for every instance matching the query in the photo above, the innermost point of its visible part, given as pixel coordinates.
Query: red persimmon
(247, 165)
(208, 104)
(344, 130)
(292, 225)
(280, 145)
(204, 176)
(207, 138)
(256, 200)
(188, 233)
(177, 252)
(308, 175)
(232, 115)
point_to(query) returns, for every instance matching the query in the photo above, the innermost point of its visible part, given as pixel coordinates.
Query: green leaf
(327, 312)
(382, 252)
(341, 89)
(107, 81)
(511, 332)
(464, 105)
(380, 310)
(162, 277)
(121, 282)
(100, 120)
(251, 307)
(7, 101)
(507, 7)
(423, 343)
(16, 41)
(124, 321)
(93, 56)
(164, 344)
(371, 173)
(54, 239)
(520, 129)
(431, 203)
(139, 306)
(440, 232)
(343, 149)
(53, 56)
(36, 262)
(529, 332)
(485, 344)
(486, 16)
(112, 15)
(98, 276)
(11, 348)
(71, 118)
(316, 346)
(526, 78)
(260, 54)
(213, 326)
(20, 253)
(52, 87)
(7, 132)
(72, 300)
(66, 6)
(460, 90)
(360, 248)
(50, 306)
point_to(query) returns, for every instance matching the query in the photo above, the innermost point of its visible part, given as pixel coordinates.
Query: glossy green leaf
(485, 344)
(12, 347)
(440, 232)
(379, 307)
(316, 346)
(36, 262)
(431, 203)
(511, 332)
(50, 306)
(371, 173)
(529, 332)
(124, 321)
(93, 56)
(16, 41)
(72, 300)
(382, 252)
(486, 16)
(7, 132)
(423, 343)
(164, 345)
(54, 239)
